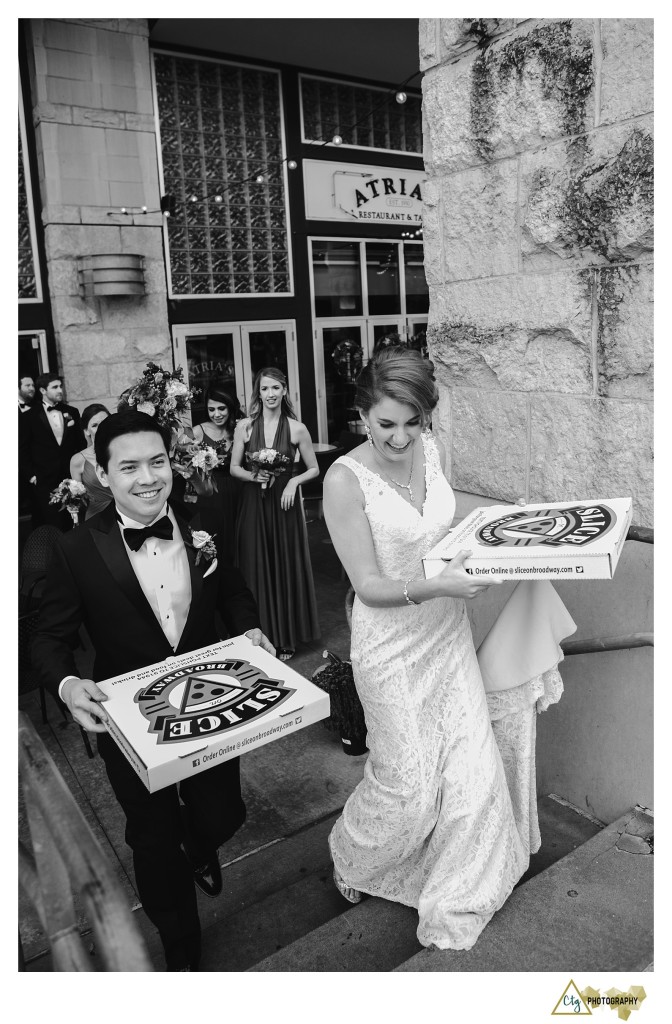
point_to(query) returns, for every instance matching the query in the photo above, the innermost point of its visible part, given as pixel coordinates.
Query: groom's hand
(259, 640)
(83, 697)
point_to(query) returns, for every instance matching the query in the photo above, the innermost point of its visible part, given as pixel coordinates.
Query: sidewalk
(287, 785)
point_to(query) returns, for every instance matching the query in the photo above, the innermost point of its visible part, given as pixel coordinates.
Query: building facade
(211, 212)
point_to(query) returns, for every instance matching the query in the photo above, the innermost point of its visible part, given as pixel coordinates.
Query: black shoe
(208, 876)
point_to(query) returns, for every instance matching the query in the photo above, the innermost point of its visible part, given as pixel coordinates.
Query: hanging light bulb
(193, 199)
(144, 209)
(291, 164)
(401, 97)
(218, 199)
(260, 179)
(337, 140)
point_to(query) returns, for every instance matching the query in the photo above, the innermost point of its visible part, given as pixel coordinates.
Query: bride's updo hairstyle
(401, 374)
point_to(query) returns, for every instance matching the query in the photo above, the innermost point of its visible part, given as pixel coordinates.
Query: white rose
(146, 407)
(175, 388)
(200, 538)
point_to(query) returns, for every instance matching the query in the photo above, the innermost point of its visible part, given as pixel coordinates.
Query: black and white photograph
(335, 504)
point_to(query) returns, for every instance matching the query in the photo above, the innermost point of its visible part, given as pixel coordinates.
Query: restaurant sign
(347, 192)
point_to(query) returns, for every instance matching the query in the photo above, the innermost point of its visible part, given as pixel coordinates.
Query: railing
(607, 643)
(66, 856)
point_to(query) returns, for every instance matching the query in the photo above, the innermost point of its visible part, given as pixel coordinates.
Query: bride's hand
(455, 581)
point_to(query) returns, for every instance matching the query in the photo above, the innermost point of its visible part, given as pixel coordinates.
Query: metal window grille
(370, 118)
(221, 124)
(27, 281)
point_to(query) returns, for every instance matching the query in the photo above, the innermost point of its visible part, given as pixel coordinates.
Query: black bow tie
(163, 529)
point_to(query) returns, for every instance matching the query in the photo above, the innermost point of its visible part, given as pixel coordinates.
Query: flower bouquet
(193, 458)
(71, 496)
(347, 714)
(267, 459)
(163, 394)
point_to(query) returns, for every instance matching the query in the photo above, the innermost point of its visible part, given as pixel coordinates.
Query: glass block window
(220, 125)
(27, 279)
(366, 117)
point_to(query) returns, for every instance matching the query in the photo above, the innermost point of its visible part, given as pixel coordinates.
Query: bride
(431, 825)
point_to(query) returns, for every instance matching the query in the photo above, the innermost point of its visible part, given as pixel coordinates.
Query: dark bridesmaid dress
(272, 550)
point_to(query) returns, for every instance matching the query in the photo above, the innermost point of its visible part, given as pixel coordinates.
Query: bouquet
(196, 458)
(269, 460)
(71, 496)
(162, 394)
(346, 713)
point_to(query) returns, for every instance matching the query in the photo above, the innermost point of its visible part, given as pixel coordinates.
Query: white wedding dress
(432, 823)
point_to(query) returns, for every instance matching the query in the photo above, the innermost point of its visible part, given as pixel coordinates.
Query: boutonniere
(203, 545)
(67, 419)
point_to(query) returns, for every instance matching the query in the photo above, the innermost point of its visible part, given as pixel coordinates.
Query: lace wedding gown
(431, 824)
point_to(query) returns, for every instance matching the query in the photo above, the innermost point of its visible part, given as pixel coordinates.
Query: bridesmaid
(219, 510)
(83, 464)
(271, 539)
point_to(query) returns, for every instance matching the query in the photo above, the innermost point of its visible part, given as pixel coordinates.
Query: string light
(168, 201)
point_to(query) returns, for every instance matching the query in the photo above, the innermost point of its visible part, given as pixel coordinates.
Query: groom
(129, 575)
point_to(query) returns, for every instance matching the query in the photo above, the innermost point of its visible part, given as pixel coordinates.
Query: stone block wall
(95, 133)
(538, 231)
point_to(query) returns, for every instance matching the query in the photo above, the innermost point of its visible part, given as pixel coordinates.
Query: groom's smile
(139, 475)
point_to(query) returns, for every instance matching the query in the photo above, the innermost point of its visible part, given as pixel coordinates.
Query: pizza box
(571, 540)
(183, 715)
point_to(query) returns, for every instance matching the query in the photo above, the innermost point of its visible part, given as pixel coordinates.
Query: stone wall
(95, 134)
(538, 230)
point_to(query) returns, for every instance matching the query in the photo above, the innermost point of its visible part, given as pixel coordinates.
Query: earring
(368, 434)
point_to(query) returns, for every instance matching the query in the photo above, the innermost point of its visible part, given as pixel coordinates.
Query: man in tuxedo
(50, 435)
(26, 393)
(129, 575)
(26, 396)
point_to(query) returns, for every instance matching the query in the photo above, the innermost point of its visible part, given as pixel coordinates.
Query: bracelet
(409, 600)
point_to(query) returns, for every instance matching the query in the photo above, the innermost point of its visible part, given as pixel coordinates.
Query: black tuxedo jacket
(40, 454)
(91, 582)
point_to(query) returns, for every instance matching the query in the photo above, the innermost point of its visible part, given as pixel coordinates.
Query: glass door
(33, 358)
(339, 355)
(383, 331)
(416, 334)
(271, 344)
(210, 354)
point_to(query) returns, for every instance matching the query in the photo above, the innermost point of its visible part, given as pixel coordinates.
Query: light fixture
(401, 97)
(219, 199)
(105, 274)
(291, 164)
(193, 199)
(168, 205)
(337, 140)
(260, 179)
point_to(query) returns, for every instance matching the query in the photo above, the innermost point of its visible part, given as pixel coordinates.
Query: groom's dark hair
(127, 422)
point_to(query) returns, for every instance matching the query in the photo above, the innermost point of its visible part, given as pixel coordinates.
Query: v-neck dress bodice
(431, 825)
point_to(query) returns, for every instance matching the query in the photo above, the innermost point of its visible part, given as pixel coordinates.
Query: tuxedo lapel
(109, 542)
(195, 573)
(45, 426)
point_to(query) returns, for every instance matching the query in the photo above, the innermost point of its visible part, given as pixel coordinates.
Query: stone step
(377, 935)
(591, 911)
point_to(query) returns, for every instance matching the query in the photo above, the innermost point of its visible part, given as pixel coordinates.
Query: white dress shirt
(55, 417)
(162, 570)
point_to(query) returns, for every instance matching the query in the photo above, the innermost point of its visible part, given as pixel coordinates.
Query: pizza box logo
(208, 698)
(551, 527)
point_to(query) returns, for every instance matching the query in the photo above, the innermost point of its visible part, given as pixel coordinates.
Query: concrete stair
(585, 904)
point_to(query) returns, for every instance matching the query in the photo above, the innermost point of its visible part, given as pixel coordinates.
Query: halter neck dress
(272, 549)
